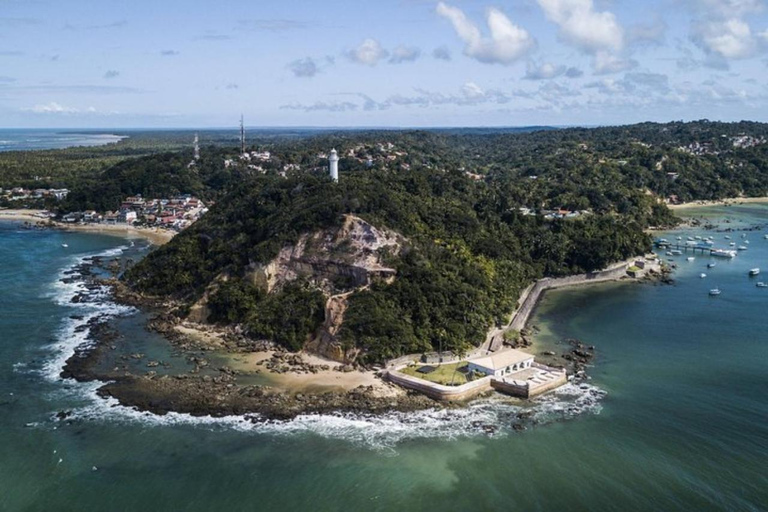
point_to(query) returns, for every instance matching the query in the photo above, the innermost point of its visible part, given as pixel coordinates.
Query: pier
(700, 249)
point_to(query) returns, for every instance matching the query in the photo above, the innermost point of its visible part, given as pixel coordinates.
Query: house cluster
(698, 149)
(561, 213)
(176, 213)
(19, 193)
(747, 141)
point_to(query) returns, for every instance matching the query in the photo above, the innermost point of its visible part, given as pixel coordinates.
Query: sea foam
(487, 416)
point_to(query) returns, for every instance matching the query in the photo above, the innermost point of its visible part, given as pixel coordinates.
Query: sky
(376, 63)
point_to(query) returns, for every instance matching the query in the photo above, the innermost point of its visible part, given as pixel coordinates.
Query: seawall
(531, 295)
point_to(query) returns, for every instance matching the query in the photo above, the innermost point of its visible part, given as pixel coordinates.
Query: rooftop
(502, 359)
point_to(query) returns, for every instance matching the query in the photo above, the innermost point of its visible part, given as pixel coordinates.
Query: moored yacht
(714, 292)
(754, 272)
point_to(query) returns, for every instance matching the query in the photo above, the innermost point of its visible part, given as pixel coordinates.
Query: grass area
(446, 374)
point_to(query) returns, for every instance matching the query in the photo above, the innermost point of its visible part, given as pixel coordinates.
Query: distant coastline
(48, 139)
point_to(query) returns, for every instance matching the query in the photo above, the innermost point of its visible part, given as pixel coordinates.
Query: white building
(501, 363)
(334, 160)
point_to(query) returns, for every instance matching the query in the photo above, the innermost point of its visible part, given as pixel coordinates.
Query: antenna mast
(242, 135)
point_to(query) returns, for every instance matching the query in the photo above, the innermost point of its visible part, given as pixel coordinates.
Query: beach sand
(719, 202)
(154, 235)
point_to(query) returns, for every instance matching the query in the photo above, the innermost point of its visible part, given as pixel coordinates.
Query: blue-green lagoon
(675, 416)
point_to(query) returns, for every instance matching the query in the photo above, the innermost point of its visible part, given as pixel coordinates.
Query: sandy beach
(718, 202)
(154, 235)
(24, 215)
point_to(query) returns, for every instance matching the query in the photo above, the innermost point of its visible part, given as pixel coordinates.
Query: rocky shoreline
(202, 390)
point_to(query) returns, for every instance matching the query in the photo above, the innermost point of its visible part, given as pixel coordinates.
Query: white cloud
(369, 53)
(404, 54)
(729, 39)
(507, 42)
(52, 108)
(607, 63)
(544, 71)
(583, 27)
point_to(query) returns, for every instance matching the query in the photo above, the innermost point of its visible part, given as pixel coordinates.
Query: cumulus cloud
(404, 54)
(722, 30)
(543, 71)
(110, 74)
(583, 27)
(728, 39)
(607, 63)
(441, 53)
(369, 53)
(304, 68)
(507, 43)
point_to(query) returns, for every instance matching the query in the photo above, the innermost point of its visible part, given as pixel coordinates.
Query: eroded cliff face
(336, 260)
(340, 262)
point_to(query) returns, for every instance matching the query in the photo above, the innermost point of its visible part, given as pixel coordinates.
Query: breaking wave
(488, 416)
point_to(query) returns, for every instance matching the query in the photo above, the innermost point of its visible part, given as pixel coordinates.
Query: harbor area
(509, 371)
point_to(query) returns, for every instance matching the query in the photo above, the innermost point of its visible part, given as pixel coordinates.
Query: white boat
(742, 248)
(676, 252)
(754, 272)
(765, 236)
(723, 253)
(762, 285)
(714, 292)
(680, 238)
(702, 275)
(711, 265)
(732, 244)
(698, 237)
(690, 258)
(64, 245)
(727, 237)
(746, 242)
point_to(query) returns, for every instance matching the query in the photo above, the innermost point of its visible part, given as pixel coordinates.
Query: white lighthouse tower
(334, 159)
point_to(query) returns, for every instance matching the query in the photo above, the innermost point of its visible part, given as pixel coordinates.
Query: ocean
(35, 139)
(673, 418)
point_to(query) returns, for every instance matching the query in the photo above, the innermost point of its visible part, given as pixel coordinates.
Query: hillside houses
(176, 213)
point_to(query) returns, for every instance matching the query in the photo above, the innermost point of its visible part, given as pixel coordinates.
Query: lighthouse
(334, 159)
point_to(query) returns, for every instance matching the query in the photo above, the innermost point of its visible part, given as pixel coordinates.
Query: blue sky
(109, 63)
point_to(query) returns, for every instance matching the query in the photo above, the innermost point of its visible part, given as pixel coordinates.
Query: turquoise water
(674, 417)
(35, 139)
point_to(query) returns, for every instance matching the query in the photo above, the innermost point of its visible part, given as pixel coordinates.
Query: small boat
(742, 247)
(727, 237)
(64, 245)
(746, 242)
(754, 272)
(762, 285)
(698, 237)
(714, 292)
(676, 252)
(680, 238)
(669, 253)
(711, 265)
(732, 244)
(691, 239)
(691, 258)
(765, 236)
(722, 253)
(702, 275)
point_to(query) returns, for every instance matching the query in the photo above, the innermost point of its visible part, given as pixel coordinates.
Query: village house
(501, 363)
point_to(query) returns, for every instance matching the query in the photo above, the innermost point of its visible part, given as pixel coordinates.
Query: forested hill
(471, 207)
